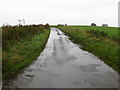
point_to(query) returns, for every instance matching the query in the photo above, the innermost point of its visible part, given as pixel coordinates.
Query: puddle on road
(30, 75)
(90, 68)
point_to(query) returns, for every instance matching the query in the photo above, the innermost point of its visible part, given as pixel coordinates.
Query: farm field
(103, 42)
(111, 31)
(21, 45)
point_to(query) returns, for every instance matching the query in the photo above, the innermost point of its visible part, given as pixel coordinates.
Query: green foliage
(111, 31)
(22, 45)
(97, 34)
(12, 34)
(97, 40)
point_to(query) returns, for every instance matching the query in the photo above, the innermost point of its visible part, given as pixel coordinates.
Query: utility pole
(19, 22)
(24, 22)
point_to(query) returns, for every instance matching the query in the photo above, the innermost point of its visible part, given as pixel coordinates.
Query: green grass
(53, 25)
(19, 53)
(101, 41)
(111, 31)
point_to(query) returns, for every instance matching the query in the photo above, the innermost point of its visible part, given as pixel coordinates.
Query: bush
(15, 33)
(21, 45)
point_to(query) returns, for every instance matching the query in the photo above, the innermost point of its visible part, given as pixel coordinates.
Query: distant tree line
(103, 25)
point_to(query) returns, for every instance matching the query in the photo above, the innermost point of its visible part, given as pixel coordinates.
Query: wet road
(63, 64)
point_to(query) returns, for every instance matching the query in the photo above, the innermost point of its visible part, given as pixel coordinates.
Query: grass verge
(19, 53)
(101, 41)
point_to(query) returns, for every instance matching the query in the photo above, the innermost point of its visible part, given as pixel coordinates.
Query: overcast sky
(74, 12)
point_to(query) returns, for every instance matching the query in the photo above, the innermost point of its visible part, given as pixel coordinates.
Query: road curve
(63, 64)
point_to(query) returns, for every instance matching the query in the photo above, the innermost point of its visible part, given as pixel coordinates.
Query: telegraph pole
(24, 22)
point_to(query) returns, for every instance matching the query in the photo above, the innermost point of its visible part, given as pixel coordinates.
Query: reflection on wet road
(63, 64)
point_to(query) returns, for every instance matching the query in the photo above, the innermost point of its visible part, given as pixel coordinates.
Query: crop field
(21, 45)
(103, 42)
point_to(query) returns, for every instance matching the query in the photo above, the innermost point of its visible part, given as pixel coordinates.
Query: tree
(93, 24)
